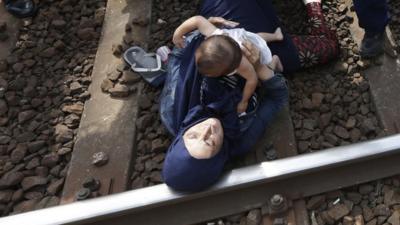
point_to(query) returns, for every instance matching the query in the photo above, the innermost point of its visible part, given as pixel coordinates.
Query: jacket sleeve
(169, 99)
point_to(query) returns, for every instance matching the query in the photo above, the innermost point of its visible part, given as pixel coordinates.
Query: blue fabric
(182, 86)
(372, 14)
(275, 96)
(184, 173)
(255, 16)
(189, 98)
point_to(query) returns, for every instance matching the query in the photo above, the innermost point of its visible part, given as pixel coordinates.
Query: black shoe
(21, 8)
(372, 45)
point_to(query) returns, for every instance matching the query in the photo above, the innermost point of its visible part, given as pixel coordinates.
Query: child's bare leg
(278, 34)
(276, 64)
(270, 37)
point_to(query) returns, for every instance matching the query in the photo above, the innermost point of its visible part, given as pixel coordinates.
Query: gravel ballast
(43, 88)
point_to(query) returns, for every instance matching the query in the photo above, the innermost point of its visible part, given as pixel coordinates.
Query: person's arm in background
(275, 97)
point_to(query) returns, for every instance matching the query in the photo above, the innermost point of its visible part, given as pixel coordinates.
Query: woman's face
(204, 139)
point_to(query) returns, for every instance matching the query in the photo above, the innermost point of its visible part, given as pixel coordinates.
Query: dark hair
(219, 54)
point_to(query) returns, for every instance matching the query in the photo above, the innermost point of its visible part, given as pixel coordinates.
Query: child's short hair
(218, 55)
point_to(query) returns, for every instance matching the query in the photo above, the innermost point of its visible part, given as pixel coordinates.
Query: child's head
(218, 55)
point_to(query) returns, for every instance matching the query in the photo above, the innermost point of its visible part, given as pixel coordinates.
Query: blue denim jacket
(253, 125)
(168, 96)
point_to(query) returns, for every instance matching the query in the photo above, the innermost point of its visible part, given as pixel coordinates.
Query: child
(220, 54)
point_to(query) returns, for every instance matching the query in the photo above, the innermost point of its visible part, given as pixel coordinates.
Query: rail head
(257, 180)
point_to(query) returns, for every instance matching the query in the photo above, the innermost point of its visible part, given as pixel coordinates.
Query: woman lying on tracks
(201, 111)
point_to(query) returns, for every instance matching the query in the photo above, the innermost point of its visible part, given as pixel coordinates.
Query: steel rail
(238, 191)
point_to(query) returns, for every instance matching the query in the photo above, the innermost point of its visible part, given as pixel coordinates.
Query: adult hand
(219, 21)
(252, 53)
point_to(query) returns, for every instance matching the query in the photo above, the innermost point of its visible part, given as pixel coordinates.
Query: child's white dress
(240, 35)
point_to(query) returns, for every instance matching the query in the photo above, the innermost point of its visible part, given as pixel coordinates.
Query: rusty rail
(239, 190)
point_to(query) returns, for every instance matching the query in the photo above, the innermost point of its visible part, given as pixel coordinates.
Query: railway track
(239, 190)
(113, 129)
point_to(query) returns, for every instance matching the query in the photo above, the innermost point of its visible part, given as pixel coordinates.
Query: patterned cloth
(321, 45)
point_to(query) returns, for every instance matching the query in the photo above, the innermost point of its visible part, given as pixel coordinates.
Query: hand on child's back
(251, 53)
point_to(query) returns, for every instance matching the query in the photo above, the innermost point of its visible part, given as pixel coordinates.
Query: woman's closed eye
(208, 140)
(192, 135)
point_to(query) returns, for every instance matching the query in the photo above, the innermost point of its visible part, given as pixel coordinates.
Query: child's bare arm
(196, 22)
(246, 70)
